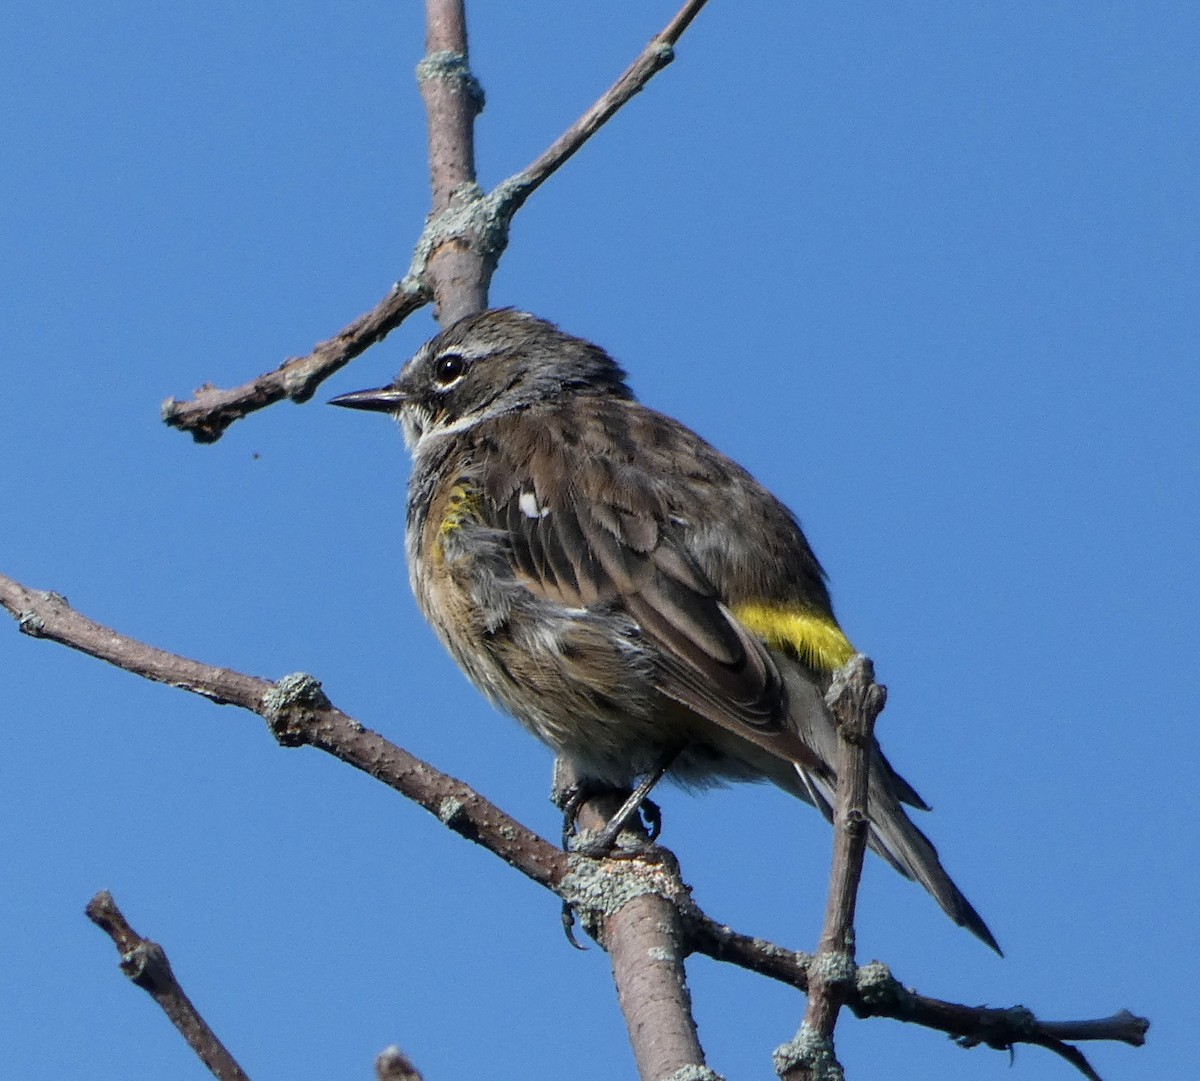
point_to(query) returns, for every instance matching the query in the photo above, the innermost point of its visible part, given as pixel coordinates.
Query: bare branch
(146, 964)
(633, 907)
(211, 410)
(645, 943)
(45, 614)
(467, 229)
(298, 713)
(877, 993)
(660, 51)
(1123, 1027)
(457, 269)
(856, 700)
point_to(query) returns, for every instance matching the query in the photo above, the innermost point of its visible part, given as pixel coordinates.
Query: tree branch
(467, 229)
(877, 993)
(146, 964)
(457, 268)
(634, 909)
(298, 713)
(211, 410)
(856, 701)
(660, 51)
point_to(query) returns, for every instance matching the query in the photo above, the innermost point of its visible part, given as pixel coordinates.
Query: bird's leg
(570, 792)
(573, 797)
(601, 845)
(651, 819)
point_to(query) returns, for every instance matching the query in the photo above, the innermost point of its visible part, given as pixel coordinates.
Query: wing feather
(576, 548)
(628, 533)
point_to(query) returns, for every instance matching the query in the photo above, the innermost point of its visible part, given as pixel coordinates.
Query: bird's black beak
(379, 400)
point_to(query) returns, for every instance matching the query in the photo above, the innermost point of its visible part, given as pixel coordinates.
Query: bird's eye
(448, 368)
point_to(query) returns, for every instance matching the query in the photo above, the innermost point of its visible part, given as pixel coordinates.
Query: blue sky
(928, 270)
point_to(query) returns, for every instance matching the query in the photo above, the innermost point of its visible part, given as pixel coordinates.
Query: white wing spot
(529, 506)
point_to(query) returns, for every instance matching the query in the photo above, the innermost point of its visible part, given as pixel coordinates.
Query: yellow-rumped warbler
(620, 586)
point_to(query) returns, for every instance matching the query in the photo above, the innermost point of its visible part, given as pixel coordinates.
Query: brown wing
(603, 535)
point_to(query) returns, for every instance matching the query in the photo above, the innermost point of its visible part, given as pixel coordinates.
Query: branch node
(875, 986)
(834, 969)
(809, 1053)
(451, 812)
(509, 195)
(31, 623)
(454, 69)
(853, 688)
(300, 379)
(473, 219)
(147, 966)
(597, 889)
(286, 706)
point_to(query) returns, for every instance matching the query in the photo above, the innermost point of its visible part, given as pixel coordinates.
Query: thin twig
(146, 964)
(877, 993)
(211, 410)
(654, 57)
(856, 701)
(300, 714)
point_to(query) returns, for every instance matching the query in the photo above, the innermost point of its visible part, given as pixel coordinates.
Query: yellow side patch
(815, 638)
(462, 504)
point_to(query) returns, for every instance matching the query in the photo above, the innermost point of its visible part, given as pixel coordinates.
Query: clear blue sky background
(929, 270)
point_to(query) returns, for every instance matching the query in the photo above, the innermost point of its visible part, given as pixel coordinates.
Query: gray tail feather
(893, 834)
(896, 838)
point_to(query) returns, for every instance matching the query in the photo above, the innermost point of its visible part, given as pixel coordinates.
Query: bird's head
(488, 364)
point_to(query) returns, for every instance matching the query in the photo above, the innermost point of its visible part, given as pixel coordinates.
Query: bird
(631, 595)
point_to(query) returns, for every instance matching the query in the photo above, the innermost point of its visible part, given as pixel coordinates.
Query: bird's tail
(893, 835)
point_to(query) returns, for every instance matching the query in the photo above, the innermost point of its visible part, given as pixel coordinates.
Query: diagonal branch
(146, 964)
(653, 58)
(877, 993)
(211, 410)
(298, 713)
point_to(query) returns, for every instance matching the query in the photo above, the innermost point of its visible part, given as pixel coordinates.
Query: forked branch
(298, 713)
(466, 233)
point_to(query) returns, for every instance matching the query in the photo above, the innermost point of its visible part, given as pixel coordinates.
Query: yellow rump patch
(815, 638)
